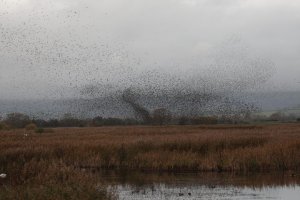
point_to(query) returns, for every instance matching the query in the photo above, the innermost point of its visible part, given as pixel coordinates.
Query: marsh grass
(4, 126)
(59, 164)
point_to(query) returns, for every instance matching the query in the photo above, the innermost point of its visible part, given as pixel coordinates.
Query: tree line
(158, 117)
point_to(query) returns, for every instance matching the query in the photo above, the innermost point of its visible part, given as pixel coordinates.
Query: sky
(56, 48)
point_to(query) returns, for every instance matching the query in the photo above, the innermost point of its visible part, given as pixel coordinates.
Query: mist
(189, 56)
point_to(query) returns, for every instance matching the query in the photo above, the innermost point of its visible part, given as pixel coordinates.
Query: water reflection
(192, 186)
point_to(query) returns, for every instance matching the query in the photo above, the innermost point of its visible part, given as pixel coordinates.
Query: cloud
(139, 35)
(190, 2)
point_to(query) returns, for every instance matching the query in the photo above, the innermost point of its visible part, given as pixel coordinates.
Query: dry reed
(53, 165)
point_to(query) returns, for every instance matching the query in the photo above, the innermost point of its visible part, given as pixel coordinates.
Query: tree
(17, 120)
(277, 116)
(98, 121)
(161, 116)
(204, 120)
(183, 120)
(69, 121)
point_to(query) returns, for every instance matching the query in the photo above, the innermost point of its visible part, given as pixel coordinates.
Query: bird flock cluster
(92, 75)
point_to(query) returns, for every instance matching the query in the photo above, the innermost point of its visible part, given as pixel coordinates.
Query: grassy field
(60, 164)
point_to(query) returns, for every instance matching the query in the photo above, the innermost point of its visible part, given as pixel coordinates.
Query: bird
(3, 175)
(212, 186)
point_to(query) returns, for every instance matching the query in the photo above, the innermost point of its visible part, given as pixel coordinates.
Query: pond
(192, 186)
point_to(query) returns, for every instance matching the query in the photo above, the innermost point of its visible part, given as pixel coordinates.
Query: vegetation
(17, 120)
(31, 126)
(44, 162)
(43, 179)
(55, 165)
(159, 116)
(3, 126)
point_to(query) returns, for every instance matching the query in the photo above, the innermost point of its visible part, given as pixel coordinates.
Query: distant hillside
(277, 100)
(112, 106)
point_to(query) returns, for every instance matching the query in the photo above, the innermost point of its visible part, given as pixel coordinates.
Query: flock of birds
(94, 74)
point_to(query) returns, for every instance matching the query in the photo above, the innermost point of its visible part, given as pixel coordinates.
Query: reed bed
(59, 164)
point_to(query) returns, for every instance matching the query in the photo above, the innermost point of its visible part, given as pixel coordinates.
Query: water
(162, 191)
(192, 186)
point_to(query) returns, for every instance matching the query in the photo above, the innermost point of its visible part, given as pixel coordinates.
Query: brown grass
(50, 165)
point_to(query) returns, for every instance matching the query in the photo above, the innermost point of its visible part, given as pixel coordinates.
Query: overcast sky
(52, 47)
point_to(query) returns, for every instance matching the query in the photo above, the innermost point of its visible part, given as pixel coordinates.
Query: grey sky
(50, 47)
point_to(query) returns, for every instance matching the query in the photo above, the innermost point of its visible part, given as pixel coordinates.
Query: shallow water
(192, 186)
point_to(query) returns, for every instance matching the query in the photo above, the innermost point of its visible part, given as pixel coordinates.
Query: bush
(100, 121)
(112, 121)
(4, 126)
(53, 123)
(40, 122)
(204, 120)
(40, 130)
(31, 127)
(183, 120)
(277, 116)
(97, 121)
(69, 121)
